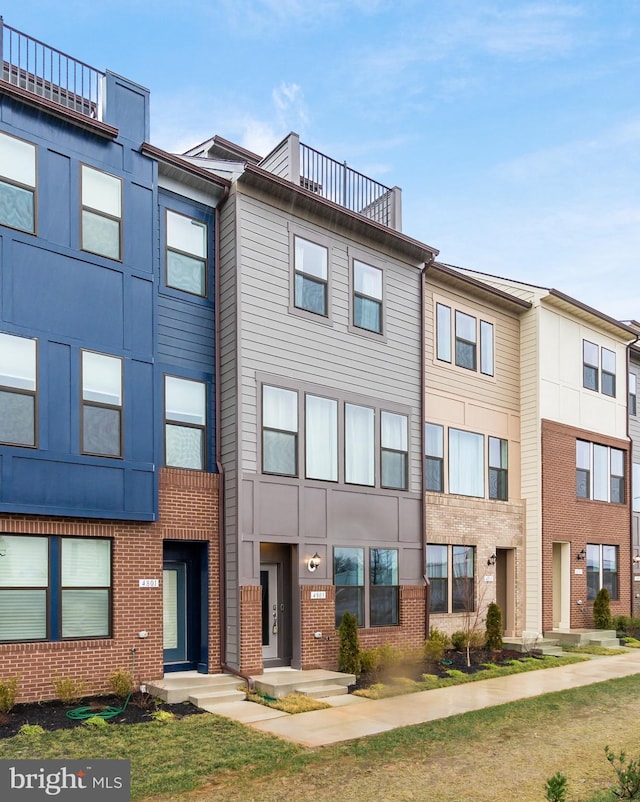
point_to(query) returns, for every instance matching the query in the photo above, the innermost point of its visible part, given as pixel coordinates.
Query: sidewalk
(354, 717)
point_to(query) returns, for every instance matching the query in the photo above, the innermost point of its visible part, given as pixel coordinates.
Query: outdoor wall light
(313, 562)
(581, 555)
(492, 559)
(636, 559)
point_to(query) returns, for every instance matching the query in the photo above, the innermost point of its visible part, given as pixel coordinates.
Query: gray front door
(271, 626)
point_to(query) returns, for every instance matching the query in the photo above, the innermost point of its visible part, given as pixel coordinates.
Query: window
(466, 463)
(633, 394)
(17, 390)
(185, 427)
(602, 570)
(310, 276)
(498, 463)
(465, 341)
(600, 472)
(456, 562)
(383, 591)
(608, 372)
(101, 213)
(367, 297)
(394, 451)
(54, 588)
(321, 430)
(635, 489)
(469, 331)
(279, 431)
(348, 577)
(17, 183)
(434, 457)
(101, 404)
(599, 369)
(359, 445)
(186, 254)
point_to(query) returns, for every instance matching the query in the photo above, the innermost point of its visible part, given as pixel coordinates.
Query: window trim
(445, 312)
(26, 187)
(168, 248)
(99, 405)
(601, 570)
(589, 473)
(204, 428)
(99, 213)
(450, 577)
(29, 393)
(295, 434)
(323, 241)
(365, 297)
(374, 261)
(386, 450)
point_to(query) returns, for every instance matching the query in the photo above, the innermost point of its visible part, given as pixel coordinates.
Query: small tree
(602, 610)
(493, 639)
(349, 652)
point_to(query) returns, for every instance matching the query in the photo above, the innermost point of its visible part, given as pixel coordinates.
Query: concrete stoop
(317, 683)
(536, 646)
(552, 642)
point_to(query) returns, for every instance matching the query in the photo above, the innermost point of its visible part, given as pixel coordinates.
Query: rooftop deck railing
(42, 70)
(336, 182)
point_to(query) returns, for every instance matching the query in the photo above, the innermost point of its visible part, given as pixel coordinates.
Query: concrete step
(581, 637)
(322, 691)
(606, 643)
(180, 687)
(207, 698)
(282, 683)
(545, 646)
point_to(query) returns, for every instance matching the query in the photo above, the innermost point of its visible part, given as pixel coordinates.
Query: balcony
(38, 69)
(335, 181)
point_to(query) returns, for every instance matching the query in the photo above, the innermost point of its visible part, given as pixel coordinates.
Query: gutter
(630, 484)
(423, 417)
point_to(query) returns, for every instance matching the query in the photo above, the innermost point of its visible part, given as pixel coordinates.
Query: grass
(400, 686)
(600, 651)
(293, 703)
(631, 643)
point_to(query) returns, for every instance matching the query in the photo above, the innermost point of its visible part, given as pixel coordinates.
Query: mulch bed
(53, 715)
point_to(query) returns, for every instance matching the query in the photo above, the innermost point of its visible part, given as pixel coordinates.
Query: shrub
(493, 639)
(96, 723)
(163, 716)
(602, 610)
(459, 641)
(31, 730)
(556, 788)
(368, 660)
(349, 650)
(621, 624)
(8, 694)
(69, 689)
(435, 645)
(628, 774)
(121, 683)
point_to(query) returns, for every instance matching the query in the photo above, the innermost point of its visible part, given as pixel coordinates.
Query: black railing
(42, 70)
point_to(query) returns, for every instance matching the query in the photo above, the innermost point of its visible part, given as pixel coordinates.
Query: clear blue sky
(513, 127)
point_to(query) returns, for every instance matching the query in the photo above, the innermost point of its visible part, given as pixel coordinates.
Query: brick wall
(251, 629)
(188, 511)
(566, 518)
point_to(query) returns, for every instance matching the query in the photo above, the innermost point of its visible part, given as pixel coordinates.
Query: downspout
(221, 483)
(423, 417)
(630, 473)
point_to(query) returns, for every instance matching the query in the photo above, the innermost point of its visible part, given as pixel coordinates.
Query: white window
(310, 276)
(633, 394)
(367, 297)
(185, 413)
(17, 390)
(466, 463)
(359, 445)
(17, 183)
(602, 570)
(394, 450)
(321, 435)
(101, 213)
(598, 368)
(186, 254)
(101, 404)
(472, 340)
(600, 472)
(279, 431)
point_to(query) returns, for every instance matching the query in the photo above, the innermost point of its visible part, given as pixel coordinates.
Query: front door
(561, 582)
(174, 612)
(271, 627)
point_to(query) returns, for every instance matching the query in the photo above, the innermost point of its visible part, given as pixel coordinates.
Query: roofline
(259, 174)
(472, 282)
(590, 310)
(177, 161)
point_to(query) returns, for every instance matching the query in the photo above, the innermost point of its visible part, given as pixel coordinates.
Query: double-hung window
(321, 438)
(466, 341)
(394, 450)
(54, 588)
(590, 365)
(348, 577)
(466, 463)
(383, 588)
(498, 465)
(101, 213)
(185, 427)
(599, 369)
(186, 253)
(469, 332)
(359, 440)
(434, 457)
(633, 394)
(310, 276)
(17, 183)
(608, 382)
(18, 390)
(457, 563)
(602, 570)
(367, 297)
(635, 486)
(101, 404)
(279, 431)
(600, 472)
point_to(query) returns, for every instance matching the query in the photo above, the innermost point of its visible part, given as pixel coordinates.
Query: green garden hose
(83, 713)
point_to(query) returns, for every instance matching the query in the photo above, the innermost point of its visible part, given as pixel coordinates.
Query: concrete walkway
(354, 717)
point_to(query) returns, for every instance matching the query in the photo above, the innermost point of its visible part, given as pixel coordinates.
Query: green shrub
(493, 638)
(628, 774)
(349, 649)
(436, 645)
(163, 716)
(602, 610)
(556, 788)
(69, 689)
(96, 723)
(121, 683)
(31, 730)
(368, 659)
(8, 694)
(389, 656)
(459, 641)
(621, 624)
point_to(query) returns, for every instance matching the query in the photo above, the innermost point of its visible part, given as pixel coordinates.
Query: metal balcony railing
(42, 70)
(335, 181)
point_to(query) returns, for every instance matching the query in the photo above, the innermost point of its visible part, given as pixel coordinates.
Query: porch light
(581, 555)
(313, 562)
(492, 559)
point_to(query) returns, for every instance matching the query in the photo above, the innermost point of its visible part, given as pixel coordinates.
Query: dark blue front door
(174, 612)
